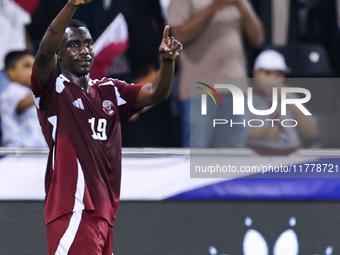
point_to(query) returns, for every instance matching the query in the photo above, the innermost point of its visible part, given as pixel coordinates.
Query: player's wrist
(168, 60)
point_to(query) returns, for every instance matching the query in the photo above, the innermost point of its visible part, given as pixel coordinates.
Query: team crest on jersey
(108, 107)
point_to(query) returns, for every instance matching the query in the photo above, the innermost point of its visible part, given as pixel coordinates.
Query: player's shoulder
(108, 82)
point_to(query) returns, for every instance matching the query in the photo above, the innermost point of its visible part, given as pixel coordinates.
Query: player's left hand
(170, 47)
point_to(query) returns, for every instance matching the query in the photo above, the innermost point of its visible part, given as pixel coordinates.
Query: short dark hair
(76, 23)
(13, 57)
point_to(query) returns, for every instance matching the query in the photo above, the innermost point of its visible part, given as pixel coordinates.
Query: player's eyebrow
(79, 41)
(73, 41)
(89, 40)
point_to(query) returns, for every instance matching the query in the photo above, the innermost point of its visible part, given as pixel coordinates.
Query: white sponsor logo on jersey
(78, 103)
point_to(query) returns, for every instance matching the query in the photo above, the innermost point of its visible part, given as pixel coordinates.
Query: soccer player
(80, 120)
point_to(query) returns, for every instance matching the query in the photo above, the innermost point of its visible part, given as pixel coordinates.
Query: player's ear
(58, 55)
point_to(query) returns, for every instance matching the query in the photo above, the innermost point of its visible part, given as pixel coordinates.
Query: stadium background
(164, 211)
(176, 214)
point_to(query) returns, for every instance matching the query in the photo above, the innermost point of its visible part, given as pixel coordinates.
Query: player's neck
(81, 81)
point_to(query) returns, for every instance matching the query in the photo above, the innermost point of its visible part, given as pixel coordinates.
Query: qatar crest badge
(108, 107)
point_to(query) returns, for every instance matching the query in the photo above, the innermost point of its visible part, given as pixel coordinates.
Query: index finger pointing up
(166, 32)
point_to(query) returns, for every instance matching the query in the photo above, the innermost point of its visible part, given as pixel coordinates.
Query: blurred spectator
(273, 138)
(13, 21)
(19, 120)
(211, 33)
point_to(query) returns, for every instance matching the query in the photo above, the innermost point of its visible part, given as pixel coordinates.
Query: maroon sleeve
(126, 98)
(41, 93)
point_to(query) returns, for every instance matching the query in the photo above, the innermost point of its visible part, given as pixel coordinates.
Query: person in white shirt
(19, 120)
(13, 22)
(274, 138)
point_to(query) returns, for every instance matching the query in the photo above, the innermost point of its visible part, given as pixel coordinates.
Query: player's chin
(82, 71)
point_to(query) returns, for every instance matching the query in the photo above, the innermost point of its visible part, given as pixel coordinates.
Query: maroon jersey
(83, 133)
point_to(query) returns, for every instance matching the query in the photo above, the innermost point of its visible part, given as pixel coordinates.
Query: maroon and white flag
(112, 43)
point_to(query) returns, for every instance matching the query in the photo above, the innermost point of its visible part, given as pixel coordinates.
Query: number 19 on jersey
(100, 132)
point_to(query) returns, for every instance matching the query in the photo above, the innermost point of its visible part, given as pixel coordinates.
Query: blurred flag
(29, 6)
(112, 43)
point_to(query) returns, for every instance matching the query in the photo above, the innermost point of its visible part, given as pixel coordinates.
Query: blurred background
(306, 32)
(163, 210)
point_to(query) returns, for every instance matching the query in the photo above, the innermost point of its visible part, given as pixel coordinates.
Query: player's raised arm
(159, 90)
(46, 59)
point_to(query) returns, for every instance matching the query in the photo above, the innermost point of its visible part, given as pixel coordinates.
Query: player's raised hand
(78, 2)
(170, 47)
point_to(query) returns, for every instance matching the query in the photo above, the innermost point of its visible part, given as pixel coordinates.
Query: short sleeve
(41, 95)
(179, 12)
(126, 95)
(36, 86)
